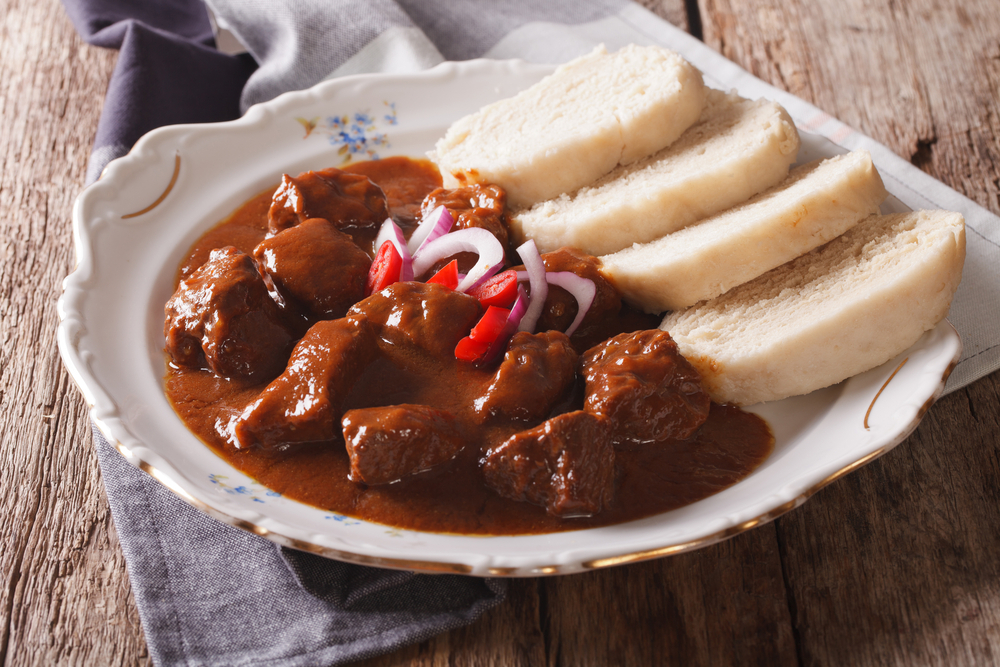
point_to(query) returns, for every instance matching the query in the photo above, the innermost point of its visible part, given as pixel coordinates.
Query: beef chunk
(386, 444)
(316, 267)
(566, 465)
(561, 307)
(536, 372)
(649, 392)
(482, 206)
(222, 318)
(420, 316)
(405, 183)
(304, 403)
(350, 201)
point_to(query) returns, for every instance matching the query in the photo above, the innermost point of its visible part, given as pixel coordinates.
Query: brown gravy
(452, 497)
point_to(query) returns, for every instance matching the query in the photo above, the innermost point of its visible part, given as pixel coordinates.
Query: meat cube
(420, 316)
(561, 307)
(404, 181)
(350, 201)
(536, 372)
(566, 465)
(316, 267)
(388, 443)
(222, 318)
(475, 205)
(304, 403)
(649, 392)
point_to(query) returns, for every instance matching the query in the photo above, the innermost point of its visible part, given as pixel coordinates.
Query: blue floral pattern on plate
(356, 134)
(255, 491)
(342, 519)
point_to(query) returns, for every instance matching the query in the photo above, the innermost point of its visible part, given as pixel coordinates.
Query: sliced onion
(517, 311)
(539, 288)
(582, 289)
(391, 232)
(474, 240)
(435, 224)
(520, 306)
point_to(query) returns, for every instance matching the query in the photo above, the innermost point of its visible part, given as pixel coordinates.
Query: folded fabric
(168, 70)
(211, 594)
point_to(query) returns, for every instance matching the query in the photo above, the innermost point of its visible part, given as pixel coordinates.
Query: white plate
(133, 227)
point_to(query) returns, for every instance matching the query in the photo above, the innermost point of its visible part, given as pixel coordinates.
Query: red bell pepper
(447, 276)
(500, 290)
(385, 270)
(470, 350)
(486, 331)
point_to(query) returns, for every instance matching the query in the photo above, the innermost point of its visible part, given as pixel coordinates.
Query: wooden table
(895, 564)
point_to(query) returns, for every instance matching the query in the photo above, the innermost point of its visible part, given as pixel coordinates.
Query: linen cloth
(211, 594)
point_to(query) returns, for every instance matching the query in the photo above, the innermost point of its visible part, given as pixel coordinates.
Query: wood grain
(893, 565)
(65, 597)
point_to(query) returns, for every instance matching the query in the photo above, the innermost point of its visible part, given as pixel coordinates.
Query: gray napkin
(211, 594)
(299, 43)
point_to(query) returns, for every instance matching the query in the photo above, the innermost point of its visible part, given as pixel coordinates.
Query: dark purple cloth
(168, 70)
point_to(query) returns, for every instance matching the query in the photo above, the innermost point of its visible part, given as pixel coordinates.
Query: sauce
(450, 497)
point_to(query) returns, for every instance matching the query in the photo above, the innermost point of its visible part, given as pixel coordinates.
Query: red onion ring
(389, 231)
(498, 346)
(582, 289)
(472, 239)
(435, 224)
(539, 287)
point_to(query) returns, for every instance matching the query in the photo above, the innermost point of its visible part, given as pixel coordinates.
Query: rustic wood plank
(723, 605)
(65, 597)
(895, 564)
(509, 635)
(921, 77)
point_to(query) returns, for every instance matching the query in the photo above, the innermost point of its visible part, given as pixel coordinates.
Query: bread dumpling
(738, 149)
(842, 309)
(574, 126)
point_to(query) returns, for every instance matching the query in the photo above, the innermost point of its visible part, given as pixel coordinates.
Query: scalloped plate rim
(472, 557)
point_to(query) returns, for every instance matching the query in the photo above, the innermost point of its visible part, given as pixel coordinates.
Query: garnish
(447, 276)
(536, 280)
(582, 289)
(476, 240)
(435, 224)
(509, 308)
(390, 231)
(500, 290)
(385, 269)
(486, 332)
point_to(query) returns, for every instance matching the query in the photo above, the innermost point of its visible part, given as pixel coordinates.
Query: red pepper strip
(447, 276)
(500, 290)
(385, 269)
(490, 325)
(470, 350)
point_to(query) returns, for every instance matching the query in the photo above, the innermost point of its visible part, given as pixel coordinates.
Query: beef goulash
(299, 353)
(373, 343)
